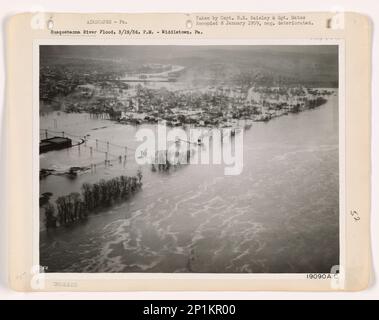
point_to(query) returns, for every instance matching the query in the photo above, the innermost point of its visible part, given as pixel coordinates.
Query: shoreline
(264, 117)
(206, 119)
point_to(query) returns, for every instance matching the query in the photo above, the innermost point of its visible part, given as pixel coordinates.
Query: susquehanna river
(281, 215)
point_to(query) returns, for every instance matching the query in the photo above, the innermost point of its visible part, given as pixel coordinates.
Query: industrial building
(54, 143)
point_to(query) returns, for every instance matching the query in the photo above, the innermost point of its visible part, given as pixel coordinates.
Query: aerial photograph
(188, 158)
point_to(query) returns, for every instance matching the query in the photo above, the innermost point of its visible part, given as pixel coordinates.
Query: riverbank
(262, 105)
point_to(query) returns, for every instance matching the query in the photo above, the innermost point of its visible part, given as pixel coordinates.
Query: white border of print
(115, 276)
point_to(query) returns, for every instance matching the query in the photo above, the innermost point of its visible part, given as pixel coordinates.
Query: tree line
(76, 206)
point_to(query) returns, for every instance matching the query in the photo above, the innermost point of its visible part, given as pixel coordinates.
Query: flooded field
(281, 215)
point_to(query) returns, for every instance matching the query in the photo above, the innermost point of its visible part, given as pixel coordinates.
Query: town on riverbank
(140, 98)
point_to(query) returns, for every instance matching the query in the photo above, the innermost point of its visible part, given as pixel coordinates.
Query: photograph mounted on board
(189, 158)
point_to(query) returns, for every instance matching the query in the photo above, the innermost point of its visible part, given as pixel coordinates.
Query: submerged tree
(87, 196)
(76, 206)
(139, 176)
(50, 219)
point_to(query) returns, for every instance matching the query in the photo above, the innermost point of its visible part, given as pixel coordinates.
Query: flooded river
(279, 216)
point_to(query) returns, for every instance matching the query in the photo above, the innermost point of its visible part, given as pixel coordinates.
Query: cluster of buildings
(219, 106)
(275, 101)
(57, 80)
(129, 101)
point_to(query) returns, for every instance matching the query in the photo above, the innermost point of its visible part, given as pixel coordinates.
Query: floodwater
(281, 215)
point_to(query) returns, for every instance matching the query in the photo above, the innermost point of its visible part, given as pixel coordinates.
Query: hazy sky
(128, 50)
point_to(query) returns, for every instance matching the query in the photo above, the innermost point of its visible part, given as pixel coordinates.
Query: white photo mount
(27, 32)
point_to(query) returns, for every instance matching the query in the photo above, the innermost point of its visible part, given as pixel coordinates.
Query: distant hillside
(312, 65)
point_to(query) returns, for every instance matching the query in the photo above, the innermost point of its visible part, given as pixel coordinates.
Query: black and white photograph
(189, 158)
